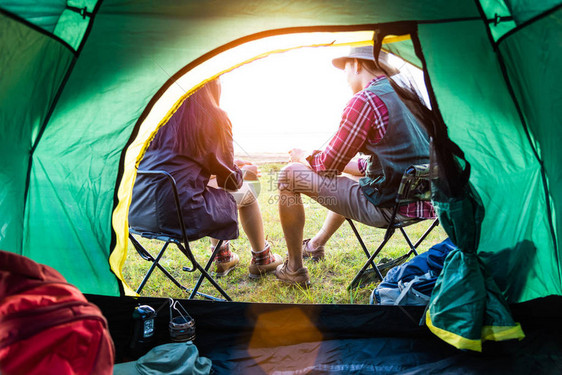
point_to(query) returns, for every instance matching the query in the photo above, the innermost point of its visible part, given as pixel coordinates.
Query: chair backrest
(165, 236)
(168, 177)
(415, 185)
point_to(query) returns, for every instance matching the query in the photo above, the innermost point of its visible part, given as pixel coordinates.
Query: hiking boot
(226, 260)
(315, 255)
(260, 270)
(299, 277)
(223, 267)
(263, 262)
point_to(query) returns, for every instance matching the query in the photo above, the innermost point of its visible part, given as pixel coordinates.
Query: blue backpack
(411, 283)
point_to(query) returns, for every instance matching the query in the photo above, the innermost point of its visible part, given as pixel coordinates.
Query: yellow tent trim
(457, 341)
(395, 38)
(120, 216)
(495, 333)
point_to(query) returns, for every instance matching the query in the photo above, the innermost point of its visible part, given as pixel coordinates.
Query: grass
(329, 277)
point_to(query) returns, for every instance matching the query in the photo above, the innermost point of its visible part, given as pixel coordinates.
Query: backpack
(46, 325)
(411, 283)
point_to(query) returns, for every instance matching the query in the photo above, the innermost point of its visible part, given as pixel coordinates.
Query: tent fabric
(452, 303)
(68, 22)
(84, 76)
(26, 96)
(341, 339)
(501, 18)
(528, 58)
(44, 15)
(525, 10)
(505, 168)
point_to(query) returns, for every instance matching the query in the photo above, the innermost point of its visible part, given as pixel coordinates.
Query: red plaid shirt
(364, 119)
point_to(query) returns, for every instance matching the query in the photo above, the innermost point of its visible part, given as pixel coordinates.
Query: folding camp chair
(182, 243)
(415, 186)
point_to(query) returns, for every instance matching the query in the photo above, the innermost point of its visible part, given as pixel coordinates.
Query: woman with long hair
(195, 147)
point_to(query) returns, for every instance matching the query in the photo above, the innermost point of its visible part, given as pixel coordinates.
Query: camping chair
(415, 186)
(181, 243)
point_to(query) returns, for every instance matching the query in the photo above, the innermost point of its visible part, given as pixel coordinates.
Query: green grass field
(330, 277)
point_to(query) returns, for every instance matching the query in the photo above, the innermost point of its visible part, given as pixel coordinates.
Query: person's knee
(294, 175)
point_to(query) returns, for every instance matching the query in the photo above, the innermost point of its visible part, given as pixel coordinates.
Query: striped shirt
(364, 119)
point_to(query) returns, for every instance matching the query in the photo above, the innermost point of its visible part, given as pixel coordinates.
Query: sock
(262, 257)
(224, 254)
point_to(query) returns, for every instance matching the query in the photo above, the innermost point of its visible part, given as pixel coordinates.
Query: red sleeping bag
(46, 325)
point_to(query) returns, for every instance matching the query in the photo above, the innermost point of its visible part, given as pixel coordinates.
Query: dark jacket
(206, 211)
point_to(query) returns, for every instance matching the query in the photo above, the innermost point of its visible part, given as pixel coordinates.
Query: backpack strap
(407, 288)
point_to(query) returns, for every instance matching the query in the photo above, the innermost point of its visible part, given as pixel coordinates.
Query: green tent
(80, 82)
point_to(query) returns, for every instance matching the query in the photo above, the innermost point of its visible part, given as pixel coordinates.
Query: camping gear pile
(411, 283)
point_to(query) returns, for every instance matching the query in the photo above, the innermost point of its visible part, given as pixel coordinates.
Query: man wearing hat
(375, 122)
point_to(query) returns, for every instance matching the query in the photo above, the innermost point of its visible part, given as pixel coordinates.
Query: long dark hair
(197, 124)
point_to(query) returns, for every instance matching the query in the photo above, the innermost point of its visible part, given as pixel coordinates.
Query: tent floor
(341, 339)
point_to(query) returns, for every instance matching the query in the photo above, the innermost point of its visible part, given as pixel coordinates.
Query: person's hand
(240, 163)
(251, 172)
(297, 155)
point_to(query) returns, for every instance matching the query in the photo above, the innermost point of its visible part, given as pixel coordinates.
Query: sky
(287, 100)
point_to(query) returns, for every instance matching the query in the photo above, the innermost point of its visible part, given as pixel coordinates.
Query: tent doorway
(303, 111)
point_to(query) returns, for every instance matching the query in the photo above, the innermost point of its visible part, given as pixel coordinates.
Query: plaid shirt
(364, 119)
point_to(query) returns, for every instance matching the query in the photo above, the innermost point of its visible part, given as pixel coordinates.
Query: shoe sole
(223, 274)
(259, 275)
(312, 258)
(303, 285)
(306, 254)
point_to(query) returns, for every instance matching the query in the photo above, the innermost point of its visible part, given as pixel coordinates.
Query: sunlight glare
(293, 99)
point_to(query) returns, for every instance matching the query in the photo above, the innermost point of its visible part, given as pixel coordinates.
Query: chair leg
(371, 262)
(182, 287)
(413, 247)
(433, 225)
(409, 242)
(154, 265)
(140, 250)
(205, 274)
(388, 234)
(363, 246)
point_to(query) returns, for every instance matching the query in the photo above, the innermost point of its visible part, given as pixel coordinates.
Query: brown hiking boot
(260, 270)
(315, 255)
(222, 268)
(299, 277)
(226, 260)
(263, 262)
